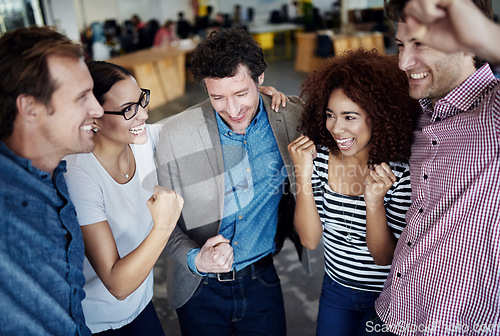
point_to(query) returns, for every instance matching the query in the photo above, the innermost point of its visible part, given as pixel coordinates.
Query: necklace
(348, 237)
(116, 171)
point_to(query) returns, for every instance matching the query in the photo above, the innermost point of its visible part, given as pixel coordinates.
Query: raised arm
(454, 25)
(123, 275)
(216, 255)
(306, 219)
(379, 237)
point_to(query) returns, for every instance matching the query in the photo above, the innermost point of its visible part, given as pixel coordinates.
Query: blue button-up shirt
(253, 177)
(41, 252)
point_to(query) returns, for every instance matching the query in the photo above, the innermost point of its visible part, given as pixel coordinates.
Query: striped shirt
(347, 258)
(445, 276)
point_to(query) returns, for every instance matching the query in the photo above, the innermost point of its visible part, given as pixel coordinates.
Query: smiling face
(236, 99)
(431, 74)
(67, 123)
(348, 124)
(115, 127)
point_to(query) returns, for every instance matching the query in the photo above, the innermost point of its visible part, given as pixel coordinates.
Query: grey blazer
(189, 161)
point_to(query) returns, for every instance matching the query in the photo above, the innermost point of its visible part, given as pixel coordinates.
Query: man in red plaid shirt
(446, 268)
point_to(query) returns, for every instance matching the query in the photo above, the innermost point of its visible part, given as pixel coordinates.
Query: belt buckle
(233, 273)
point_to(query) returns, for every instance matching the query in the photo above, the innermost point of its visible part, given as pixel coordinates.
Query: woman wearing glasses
(124, 228)
(125, 219)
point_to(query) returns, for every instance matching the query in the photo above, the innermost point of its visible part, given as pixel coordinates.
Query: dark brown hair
(105, 75)
(373, 82)
(223, 51)
(24, 68)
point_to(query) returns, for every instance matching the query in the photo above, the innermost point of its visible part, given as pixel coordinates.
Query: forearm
(129, 272)
(379, 237)
(477, 32)
(490, 48)
(306, 217)
(180, 244)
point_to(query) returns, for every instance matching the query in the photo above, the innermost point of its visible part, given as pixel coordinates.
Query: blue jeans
(251, 305)
(146, 323)
(376, 327)
(343, 311)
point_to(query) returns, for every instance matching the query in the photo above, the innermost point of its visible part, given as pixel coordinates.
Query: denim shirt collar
(27, 164)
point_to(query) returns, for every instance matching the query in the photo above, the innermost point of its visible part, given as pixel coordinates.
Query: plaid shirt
(445, 276)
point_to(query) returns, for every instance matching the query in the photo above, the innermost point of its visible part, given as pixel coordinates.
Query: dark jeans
(375, 326)
(146, 323)
(251, 305)
(343, 309)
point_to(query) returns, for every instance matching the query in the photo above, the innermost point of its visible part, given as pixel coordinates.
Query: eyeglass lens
(132, 109)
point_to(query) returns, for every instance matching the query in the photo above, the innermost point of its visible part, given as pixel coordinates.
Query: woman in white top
(126, 220)
(358, 116)
(124, 227)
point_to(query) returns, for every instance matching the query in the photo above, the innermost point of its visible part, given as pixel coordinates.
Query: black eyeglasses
(131, 109)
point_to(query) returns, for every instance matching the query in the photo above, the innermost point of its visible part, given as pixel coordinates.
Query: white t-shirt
(97, 197)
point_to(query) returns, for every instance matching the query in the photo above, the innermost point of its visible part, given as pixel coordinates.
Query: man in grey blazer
(228, 159)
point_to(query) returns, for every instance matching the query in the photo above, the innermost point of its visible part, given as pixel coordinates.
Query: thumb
(221, 238)
(180, 200)
(151, 200)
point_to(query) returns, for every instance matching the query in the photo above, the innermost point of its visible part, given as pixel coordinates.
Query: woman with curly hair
(353, 183)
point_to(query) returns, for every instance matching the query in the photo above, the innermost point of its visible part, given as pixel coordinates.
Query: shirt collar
(27, 164)
(257, 121)
(462, 97)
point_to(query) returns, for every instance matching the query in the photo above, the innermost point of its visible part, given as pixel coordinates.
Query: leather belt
(257, 267)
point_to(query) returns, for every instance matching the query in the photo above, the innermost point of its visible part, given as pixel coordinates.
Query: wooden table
(306, 59)
(160, 69)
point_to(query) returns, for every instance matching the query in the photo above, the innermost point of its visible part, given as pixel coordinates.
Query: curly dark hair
(373, 82)
(223, 51)
(24, 69)
(395, 12)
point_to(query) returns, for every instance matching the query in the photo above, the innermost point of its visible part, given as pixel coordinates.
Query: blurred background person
(183, 26)
(166, 34)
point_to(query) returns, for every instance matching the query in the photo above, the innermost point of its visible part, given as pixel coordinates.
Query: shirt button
(235, 243)
(409, 244)
(425, 177)
(434, 142)
(420, 210)
(245, 142)
(240, 217)
(248, 170)
(398, 275)
(437, 119)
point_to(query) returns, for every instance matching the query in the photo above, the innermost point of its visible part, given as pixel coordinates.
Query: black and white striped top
(347, 259)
